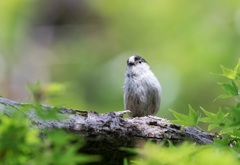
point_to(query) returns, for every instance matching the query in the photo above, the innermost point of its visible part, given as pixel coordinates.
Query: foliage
(42, 92)
(23, 144)
(226, 147)
(227, 120)
(185, 154)
(191, 119)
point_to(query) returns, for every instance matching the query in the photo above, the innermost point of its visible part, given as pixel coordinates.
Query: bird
(142, 90)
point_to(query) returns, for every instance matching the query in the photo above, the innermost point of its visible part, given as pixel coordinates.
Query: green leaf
(215, 120)
(237, 67)
(229, 73)
(230, 88)
(130, 150)
(212, 126)
(49, 114)
(223, 96)
(222, 142)
(236, 133)
(125, 161)
(194, 115)
(238, 76)
(187, 120)
(235, 87)
(54, 88)
(235, 113)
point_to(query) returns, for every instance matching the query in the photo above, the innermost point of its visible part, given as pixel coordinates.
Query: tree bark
(106, 133)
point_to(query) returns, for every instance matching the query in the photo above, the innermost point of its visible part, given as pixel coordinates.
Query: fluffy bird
(142, 90)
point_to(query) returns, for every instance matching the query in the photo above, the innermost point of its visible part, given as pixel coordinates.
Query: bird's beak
(130, 63)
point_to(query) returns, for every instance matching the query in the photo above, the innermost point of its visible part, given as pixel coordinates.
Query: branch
(106, 133)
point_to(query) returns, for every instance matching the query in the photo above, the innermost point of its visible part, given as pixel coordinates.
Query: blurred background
(77, 50)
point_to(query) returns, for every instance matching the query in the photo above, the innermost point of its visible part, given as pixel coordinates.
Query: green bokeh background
(84, 45)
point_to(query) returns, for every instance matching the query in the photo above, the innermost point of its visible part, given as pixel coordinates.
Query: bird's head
(135, 60)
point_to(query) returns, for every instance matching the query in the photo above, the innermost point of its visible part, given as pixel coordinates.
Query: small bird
(142, 91)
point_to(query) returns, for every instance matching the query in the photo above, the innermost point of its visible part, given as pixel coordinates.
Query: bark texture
(106, 133)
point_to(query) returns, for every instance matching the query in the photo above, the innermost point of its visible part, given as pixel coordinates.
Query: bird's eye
(140, 62)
